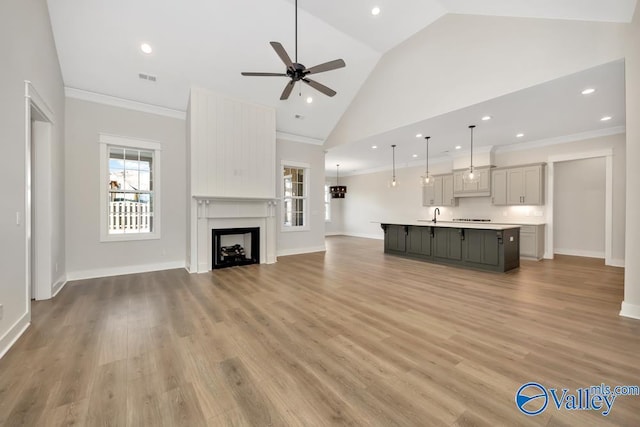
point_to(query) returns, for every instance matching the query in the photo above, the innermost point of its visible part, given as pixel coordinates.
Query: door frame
(608, 203)
(37, 109)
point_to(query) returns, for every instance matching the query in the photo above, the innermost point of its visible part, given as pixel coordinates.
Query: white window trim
(306, 205)
(107, 140)
(327, 203)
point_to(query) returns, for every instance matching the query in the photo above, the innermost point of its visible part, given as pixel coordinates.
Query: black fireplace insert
(235, 246)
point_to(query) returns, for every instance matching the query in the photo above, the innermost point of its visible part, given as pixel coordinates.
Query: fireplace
(235, 246)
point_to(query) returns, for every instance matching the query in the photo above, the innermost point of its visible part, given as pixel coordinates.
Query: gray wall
(28, 52)
(579, 207)
(312, 240)
(86, 255)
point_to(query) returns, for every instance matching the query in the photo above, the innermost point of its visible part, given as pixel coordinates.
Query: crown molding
(616, 130)
(113, 101)
(299, 138)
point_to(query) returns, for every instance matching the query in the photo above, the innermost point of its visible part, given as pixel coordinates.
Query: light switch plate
(1, 312)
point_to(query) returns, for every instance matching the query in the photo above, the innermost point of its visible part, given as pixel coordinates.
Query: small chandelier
(394, 182)
(338, 191)
(471, 177)
(427, 179)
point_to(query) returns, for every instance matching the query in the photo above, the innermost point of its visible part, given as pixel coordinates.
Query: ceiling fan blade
(320, 87)
(287, 90)
(282, 54)
(327, 66)
(264, 74)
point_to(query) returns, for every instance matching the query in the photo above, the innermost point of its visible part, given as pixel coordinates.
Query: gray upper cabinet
(440, 193)
(525, 185)
(522, 185)
(478, 189)
(499, 187)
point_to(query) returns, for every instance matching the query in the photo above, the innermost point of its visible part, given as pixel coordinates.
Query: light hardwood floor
(352, 336)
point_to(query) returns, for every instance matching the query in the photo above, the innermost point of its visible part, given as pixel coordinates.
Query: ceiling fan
(298, 72)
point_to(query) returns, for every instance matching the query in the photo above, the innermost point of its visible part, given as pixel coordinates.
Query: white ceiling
(546, 111)
(208, 43)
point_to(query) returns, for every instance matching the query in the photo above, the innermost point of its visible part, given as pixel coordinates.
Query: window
(327, 203)
(294, 196)
(130, 199)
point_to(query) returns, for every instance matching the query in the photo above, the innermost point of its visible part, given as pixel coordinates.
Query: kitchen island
(493, 247)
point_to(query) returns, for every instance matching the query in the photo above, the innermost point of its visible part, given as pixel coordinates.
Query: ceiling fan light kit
(298, 72)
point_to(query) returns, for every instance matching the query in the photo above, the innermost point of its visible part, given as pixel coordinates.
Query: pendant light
(427, 179)
(470, 176)
(394, 182)
(338, 191)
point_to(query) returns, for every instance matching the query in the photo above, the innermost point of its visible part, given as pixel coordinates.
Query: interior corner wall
(461, 60)
(631, 304)
(311, 240)
(86, 255)
(28, 52)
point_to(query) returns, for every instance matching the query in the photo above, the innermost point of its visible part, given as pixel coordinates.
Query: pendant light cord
(338, 175)
(394, 161)
(427, 171)
(471, 127)
(296, 31)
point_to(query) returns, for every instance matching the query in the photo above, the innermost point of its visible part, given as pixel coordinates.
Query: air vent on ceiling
(299, 116)
(149, 77)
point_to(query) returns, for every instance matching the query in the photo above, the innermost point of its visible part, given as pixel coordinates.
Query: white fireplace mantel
(209, 213)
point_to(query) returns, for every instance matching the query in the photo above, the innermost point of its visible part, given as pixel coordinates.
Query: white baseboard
(630, 310)
(118, 271)
(365, 236)
(298, 251)
(57, 287)
(15, 331)
(615, 263)
(333, 233)
(578, 252)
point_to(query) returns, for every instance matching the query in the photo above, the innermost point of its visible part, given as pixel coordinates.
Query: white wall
(86, 255)
(370, 199)
(28, 52)
(312, 240)
(631, 304)
(579, 207)
(462, 60)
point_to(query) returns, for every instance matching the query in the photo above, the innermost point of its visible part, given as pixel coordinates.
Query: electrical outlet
(1, 312)
(56, 267)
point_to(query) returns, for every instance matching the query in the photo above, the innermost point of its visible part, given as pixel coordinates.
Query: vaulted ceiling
(207, 43)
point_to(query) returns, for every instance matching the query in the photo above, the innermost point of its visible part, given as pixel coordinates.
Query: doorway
(38, 206)
(579, 208)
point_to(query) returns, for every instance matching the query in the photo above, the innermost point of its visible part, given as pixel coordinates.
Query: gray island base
(489, 247)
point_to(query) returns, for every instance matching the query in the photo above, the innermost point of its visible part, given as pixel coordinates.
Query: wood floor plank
(347, 337)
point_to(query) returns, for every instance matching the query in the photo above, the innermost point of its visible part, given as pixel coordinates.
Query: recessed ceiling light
(375, 11)
(414, 156)
(309, 99)
(520, 135)
(606, 118)
(374, 147)
(418, 135)
(485, 118)
(146, 48)
(458, 147)
(588, 91)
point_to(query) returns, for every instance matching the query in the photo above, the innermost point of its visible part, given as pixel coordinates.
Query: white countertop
(452, 224)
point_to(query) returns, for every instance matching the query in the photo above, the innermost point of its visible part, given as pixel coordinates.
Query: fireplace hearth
(233, 247)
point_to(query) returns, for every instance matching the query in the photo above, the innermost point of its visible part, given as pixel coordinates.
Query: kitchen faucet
(436, 211)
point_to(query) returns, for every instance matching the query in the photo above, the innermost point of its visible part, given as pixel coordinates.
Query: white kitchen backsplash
(481, 208)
